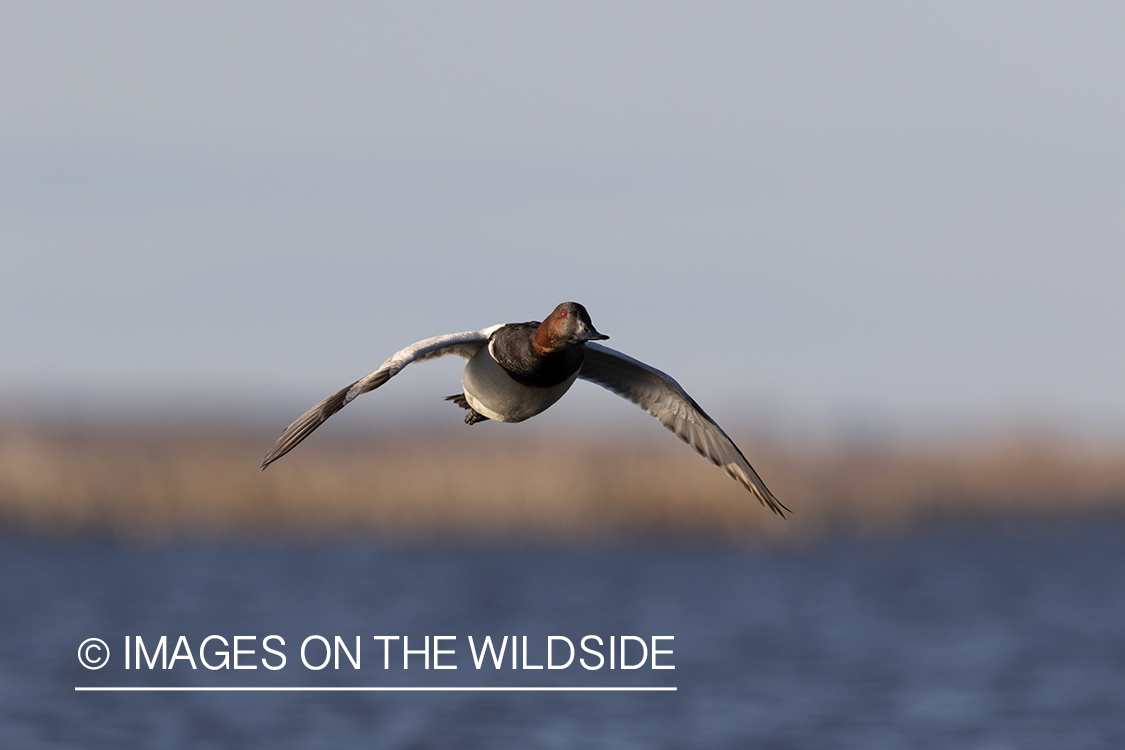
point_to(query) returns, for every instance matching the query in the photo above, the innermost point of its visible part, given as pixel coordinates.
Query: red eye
(562, 314)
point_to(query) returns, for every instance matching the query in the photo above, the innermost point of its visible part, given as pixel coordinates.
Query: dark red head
(568, 325)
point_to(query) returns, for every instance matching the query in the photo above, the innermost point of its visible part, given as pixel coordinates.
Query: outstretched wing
(464, 345)
(662, 397)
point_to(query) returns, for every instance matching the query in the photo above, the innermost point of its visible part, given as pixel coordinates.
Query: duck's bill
(591, 336)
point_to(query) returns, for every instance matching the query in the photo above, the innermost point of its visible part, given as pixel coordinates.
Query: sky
(838, 215)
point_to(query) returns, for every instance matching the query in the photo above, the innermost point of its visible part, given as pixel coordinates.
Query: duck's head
(567, 326)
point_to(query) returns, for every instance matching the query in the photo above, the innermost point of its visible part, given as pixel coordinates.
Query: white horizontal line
(371, 689)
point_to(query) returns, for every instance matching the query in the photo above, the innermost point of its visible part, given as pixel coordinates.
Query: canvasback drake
(517, 370)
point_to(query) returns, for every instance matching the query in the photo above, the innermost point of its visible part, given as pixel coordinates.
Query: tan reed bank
(157, 482)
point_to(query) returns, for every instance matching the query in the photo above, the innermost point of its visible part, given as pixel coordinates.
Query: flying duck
(518, 370)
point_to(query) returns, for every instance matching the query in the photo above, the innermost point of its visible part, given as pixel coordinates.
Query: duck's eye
(562, 314)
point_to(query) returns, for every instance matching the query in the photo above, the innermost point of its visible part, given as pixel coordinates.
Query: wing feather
(464, 344)
(661, 396)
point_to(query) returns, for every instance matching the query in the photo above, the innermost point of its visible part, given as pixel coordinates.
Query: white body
(492, 392)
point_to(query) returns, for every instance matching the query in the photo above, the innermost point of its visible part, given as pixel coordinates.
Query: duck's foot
(473, 416)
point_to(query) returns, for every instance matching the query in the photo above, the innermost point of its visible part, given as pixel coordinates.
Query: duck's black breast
(511, 348)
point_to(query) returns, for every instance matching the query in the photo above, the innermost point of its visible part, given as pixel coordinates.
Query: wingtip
(274, 453)
(778, 508)
(766, 498)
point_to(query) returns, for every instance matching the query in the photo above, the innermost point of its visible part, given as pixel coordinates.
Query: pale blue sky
(898, 214)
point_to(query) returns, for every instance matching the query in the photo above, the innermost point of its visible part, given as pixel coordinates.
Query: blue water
(948, 638)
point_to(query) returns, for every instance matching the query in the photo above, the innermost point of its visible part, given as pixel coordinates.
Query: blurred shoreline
(171, 480)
